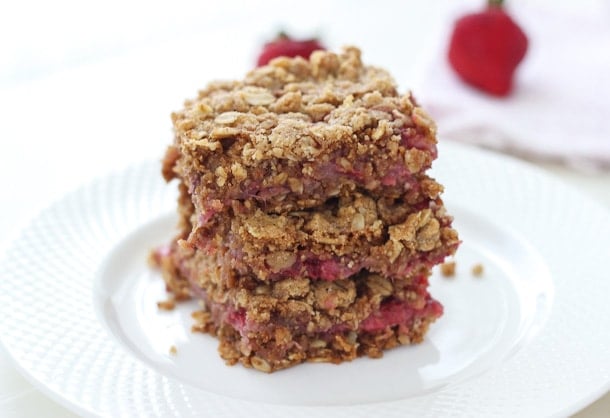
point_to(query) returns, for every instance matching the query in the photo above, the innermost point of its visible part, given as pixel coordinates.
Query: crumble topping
(477, 270)
(448, 269)
(166, 305)
(313, 118)
(340, 227)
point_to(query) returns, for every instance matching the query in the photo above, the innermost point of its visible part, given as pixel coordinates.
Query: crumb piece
(166, 305)
(477, 270)
(153, 260)
(156, 256)
(173, 350)
(448, 269)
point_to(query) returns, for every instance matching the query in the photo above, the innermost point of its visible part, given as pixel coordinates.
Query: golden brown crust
(289, 122)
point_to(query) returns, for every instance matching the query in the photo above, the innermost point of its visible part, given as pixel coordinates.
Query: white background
(87, 88)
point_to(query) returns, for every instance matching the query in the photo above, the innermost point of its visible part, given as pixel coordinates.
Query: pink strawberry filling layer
(338, 268)
(410, 138)
(392, 312)
(332, 268)
(396, 312)
(330, 175)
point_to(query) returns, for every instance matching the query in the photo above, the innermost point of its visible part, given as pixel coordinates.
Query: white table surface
(77, 115)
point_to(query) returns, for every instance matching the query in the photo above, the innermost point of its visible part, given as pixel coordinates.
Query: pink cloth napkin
(560, 107)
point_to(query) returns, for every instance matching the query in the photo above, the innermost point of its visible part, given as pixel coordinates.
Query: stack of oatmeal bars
(308, 225)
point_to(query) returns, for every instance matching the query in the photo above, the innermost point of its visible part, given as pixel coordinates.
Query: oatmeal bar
(270, 326)
(337, 240)
(295, 133)
(307, 223)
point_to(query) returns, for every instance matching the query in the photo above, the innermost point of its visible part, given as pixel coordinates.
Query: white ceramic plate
(78, 310)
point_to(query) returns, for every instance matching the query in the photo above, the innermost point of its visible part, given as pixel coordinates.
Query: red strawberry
(283, 46)
(486, 48)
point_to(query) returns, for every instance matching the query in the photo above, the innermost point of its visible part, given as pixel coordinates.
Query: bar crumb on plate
(448, 269)
(477, 270)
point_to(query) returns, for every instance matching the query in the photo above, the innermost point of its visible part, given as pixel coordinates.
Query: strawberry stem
(495, 3)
